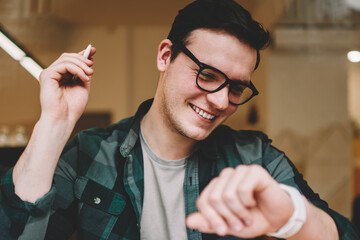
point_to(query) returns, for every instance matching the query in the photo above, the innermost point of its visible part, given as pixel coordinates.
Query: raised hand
(61, 98)
(62, 103)
(244, 202)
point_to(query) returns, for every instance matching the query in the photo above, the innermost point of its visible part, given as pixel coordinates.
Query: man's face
(185, 108)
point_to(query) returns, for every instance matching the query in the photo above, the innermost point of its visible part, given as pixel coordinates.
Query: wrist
(298, 218)
(34, 171)
(59, 128)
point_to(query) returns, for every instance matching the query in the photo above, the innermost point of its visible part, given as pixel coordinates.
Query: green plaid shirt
(98, 186)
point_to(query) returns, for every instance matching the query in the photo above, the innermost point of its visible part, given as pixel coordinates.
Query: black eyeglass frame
(203, 66)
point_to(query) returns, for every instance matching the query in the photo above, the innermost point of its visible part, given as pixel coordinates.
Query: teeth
(203, 114)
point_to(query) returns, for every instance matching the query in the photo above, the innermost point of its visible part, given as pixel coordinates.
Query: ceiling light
(11, 48)
(353, 56)
(31, 66)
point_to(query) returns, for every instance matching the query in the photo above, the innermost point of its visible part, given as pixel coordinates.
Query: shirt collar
(207, 146)
(133, 135)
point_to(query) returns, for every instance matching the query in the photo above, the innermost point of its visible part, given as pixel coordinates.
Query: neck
(164, 141)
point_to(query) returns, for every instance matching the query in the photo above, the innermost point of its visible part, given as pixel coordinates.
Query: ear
(164, 54)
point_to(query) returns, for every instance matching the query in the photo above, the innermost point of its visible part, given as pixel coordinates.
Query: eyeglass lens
(210, 80)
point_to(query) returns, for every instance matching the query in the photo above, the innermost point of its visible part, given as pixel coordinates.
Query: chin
(199, 138)
(197, 135)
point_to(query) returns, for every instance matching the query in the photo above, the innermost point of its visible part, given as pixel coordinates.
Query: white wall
(308, 118)
(306, 91)
(109, 86)
(124, 64)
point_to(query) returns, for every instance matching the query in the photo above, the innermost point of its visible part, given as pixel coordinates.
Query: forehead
(223, 51)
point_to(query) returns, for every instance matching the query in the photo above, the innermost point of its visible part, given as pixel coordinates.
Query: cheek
(231, 109)
(187, 85)
(181, 82)
(192, 89)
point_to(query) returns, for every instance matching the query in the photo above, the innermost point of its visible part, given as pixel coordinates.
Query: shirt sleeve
(51, 215)
(16, 214)
(284, 171)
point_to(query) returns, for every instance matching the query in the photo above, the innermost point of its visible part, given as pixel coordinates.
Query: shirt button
(97, 200)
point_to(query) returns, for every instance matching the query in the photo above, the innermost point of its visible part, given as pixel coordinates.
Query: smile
(202, 113)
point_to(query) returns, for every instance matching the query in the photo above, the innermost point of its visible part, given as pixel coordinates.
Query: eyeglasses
(211, 80)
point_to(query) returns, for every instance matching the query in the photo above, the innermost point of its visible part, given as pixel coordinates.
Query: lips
(202, 113)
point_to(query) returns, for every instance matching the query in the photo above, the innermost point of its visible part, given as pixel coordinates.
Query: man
(171, 171)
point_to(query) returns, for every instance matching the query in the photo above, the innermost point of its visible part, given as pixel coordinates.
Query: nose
(219, 99)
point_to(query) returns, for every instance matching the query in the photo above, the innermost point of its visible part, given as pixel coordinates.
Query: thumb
(197, 221)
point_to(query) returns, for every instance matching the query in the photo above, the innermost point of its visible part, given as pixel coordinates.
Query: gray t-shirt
(163, 214)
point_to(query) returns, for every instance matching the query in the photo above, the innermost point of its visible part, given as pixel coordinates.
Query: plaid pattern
(99, 184)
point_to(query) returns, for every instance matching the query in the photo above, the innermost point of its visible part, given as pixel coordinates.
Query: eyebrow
(187, 52)
(232, 80)
(247, 82)
(236, 81)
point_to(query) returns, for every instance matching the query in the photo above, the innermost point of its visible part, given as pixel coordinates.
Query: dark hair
(223, 15)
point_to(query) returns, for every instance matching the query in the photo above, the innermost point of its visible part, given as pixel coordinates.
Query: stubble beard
(172, 122)
(169, 107)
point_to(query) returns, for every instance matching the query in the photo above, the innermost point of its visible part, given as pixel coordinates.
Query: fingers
(67, 65)
(198, 221)
(254, 179)
(209, 205)
(233, 195)
(228, 205)
(73, 69)
(68, 60)
(74, 57)
(217, 202)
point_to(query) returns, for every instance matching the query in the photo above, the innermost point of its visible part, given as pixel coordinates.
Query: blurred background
(309, 101)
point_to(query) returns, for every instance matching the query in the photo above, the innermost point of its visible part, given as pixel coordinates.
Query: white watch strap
(298, 218)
